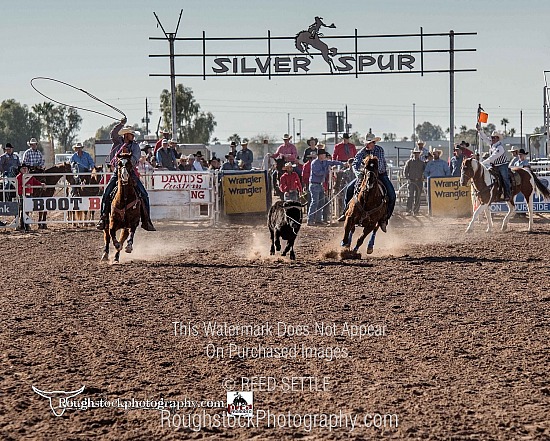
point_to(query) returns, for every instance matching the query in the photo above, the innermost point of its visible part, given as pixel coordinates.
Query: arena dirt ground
(465, 355)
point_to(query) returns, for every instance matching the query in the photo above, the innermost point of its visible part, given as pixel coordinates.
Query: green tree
(104, 131)
(235, 137)
(540, 129)
(504, 122)
(388, 137)
(193, 125)
(429, 132)
(67, 122)
(18, 124)
(47, 113)
(512, 132)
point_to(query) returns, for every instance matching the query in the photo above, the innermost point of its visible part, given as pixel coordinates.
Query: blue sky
(103, 47)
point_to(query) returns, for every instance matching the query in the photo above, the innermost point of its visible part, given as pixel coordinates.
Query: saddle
(515, 181)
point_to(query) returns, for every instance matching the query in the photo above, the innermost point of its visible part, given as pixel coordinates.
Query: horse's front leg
(106, 240)
(349, 228)
(511, 211)
(116, 243)
(130, 245)
(530, 208)
(272, 234)
(370, 246)
(474, 217)
(489, 217)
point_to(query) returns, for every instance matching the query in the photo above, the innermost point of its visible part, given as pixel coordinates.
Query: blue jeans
(106, 199)
(503, 170)
(317, 196)
(387, 185)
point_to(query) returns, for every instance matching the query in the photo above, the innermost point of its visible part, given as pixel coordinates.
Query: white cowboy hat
(173, 141)
(514, 149)
(128, 129)
(369, 137)
(32, 141)
(287, 136)
(420, 142)
(244, 141)
(417, 150)
(497, 134)
(78, 145)
(440, 152)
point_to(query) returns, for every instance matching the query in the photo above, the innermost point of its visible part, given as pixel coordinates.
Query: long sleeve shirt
(437, 169)
(30, 182)
(288, 151)
(84, 162)
(33, 158)
(320, 169)
(497, 153)
(9, 164)
(290, 182)
(118, 145)
(414, 169)
(376, 151)
(247, 157)
(166, 158)
(344, 151)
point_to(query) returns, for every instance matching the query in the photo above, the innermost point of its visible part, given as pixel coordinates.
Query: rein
(364, 213)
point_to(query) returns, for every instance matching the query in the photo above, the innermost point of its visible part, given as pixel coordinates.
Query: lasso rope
(80, 90)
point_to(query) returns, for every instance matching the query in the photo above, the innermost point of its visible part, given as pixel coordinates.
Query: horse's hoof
(344, 244)
(128, 248)
(370, 250)
(283, 254)
(105, 257)
(292, 256)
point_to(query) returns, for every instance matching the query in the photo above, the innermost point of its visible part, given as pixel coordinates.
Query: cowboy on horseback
(123, 141)
(315, 27)
(497, 159)
(371, 148)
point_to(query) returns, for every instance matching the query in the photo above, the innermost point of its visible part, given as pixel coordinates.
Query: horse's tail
(540, 187)
(298, 42)
(333, 51)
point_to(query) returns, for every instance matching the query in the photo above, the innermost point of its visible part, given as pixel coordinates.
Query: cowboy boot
(103, 221)
(146, 223)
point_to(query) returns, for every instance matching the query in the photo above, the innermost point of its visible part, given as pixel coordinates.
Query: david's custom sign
(314, 53)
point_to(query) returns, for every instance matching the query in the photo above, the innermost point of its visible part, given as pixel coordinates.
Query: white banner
(77, 203)
(174, 180)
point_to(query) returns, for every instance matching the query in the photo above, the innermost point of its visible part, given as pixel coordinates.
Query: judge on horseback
(123, 141)
(497, 159)
(371, 148)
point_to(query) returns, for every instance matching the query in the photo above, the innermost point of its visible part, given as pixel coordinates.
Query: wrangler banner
(446, 198)
(244, 192)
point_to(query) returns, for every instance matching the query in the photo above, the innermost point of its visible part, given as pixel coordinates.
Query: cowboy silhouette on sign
(315, 27)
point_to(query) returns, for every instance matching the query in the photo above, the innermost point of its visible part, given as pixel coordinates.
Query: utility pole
(171, 37)
(414, 125)
(451, 91)
(293, 129)
(288, 123)
(347, 125)
(300, 128)
(521, 129)
(146, 120)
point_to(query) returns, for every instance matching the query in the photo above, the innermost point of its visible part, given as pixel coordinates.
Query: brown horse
(125, 210)
(85, 184)
(367, 208)
(53, 175)
(487, 190)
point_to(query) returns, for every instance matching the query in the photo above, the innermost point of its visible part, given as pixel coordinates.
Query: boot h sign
(312, 52)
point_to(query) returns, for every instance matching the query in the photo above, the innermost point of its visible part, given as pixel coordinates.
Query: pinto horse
(85, 184)
(53, 175)
(367, 208)
(125, 210)
(487, 189)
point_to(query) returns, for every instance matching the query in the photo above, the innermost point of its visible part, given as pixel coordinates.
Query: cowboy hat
(287, 136)
(458, 147)
(345, 136)
(497, 134)
(164, 142)
(465, 144)
(128, 129)
(32, 141)
(513, 149)
(315, 141)
(523, 152)
(417, 150)
(173, 141)
(165, 131)
(233, 144)
(198, 154)
(369, 137)
(420, 142)
(321, 152)
(438, 151)
(22, 166)
(288, 164)
(78, 145)
(244, 141)
(144, 146)
(8, 146)
(229, 154)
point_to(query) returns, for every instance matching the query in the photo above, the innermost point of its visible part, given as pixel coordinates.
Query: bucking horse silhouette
(311, 37)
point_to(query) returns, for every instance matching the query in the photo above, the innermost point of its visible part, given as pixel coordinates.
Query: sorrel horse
(487, 189)
(125, 210)
(53, 175)
(367, 208)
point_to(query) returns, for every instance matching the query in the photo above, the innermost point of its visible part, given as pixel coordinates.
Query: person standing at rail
(9, 162)
(81, 161)
(32, 156)
(123, 139)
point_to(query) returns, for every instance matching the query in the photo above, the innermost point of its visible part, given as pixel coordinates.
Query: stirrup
(102, 224)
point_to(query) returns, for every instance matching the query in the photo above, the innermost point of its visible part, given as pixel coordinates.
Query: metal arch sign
(312, 52)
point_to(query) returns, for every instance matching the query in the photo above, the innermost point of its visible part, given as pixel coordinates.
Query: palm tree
(235, 137)
(504, 122)
(46, 112)
(512, 132)
(463, 129)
